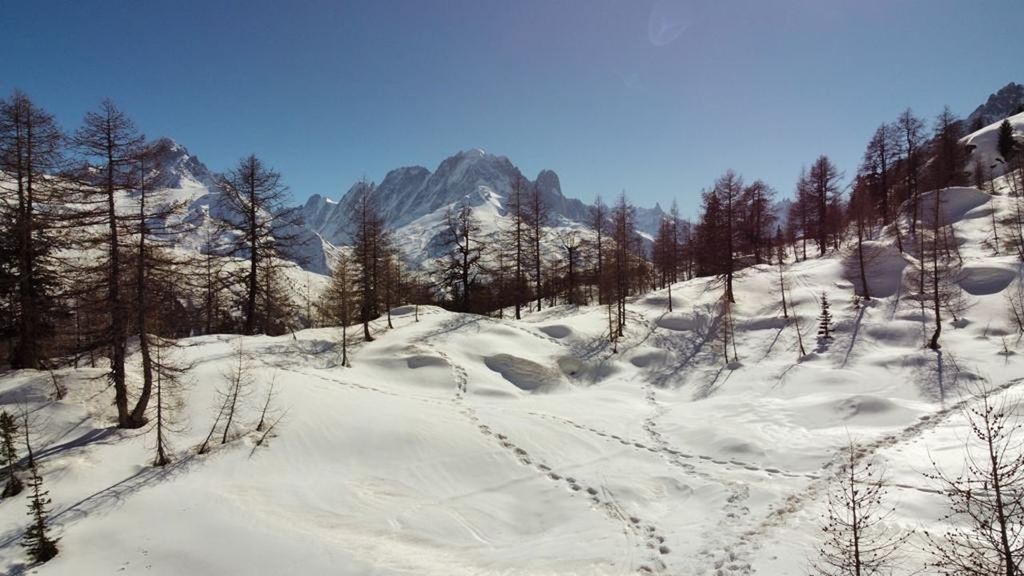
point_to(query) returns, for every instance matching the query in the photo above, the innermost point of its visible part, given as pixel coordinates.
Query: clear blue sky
(654, 97)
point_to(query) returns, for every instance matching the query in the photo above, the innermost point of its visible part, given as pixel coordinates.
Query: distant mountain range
(413, 200)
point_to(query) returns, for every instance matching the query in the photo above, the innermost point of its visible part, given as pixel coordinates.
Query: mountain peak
(472, 153)
(1006, 102)
(174, 165)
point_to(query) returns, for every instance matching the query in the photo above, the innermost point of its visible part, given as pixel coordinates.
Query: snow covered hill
(460, 444)
(983, 145)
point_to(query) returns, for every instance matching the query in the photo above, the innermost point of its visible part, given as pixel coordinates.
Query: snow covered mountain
(464, 445)
(413, 200)
(1007, 101)
(178, 176)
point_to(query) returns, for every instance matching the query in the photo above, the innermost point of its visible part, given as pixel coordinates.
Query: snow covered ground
(467, 445)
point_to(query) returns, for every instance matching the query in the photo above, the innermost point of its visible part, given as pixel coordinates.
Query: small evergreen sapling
(40, 546)
(9, 455)
(824, 321)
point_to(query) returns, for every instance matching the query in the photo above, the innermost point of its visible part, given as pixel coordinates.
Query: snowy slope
(983, 145)
(466, 445)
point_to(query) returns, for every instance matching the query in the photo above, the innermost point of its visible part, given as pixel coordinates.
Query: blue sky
(653, 97)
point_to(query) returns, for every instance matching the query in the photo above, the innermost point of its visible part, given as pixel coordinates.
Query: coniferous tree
(339, 302)
(371, 243)
(9, 455)
(1007, 143)
(986, 507)
(877, 166)
(727, 329)
(40, 546)
(155, 271)
(780, 259)
(167, 401)
(31, 150)
(824, 321)
(212, 283)
(949, 154)
(800, 214)
(663, 252)
(857, 541)
(110, 140)
(570, 242)
(757, 221)
(623, 243)
(518, 243)
(235, 392)
(599, 223)
(861, 213)
(255, 201)
(392, 282)
(461, 268)
(911, 143)
(718, 230)
(537, 217)
(822, 186)
(946, 170)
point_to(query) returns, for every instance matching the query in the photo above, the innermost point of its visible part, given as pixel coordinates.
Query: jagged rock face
(178, 176)
(173, 166)
(472, 177)
(1006, 102)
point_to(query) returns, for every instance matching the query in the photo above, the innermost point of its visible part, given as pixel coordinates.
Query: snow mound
(570, 365)
(897, 332)
(680, 322)
(556, 331)
(651, 358)
(425, 361)
(524, 374)
(762, 323)
(956, 203)
(884, 267)
(857, 410)
(982, 279)
(403, 310)
(870, 410)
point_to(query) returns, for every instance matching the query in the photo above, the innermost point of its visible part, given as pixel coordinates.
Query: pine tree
(9, 454)
(109, 139)
(986, 507)
(256, 202)
(537, 217)
(824, 321)
(371, 242)
(1007, 143)
(912, 140)
(31, 148)
(824, 194)
(461, 267)
(780, 259)
(37, 541)
(339, 302)
(233, 396)
(857, 540)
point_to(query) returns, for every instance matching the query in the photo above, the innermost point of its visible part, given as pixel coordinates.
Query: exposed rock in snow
(413, 201)
(1007, 101)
